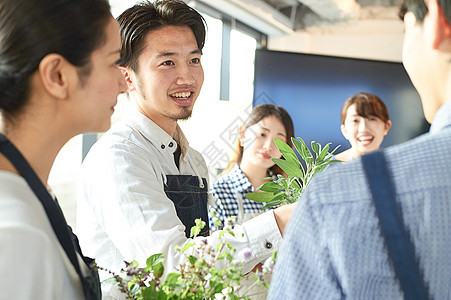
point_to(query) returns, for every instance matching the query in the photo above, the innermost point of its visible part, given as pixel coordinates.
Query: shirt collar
(442, 118)
(240, 180)
(156, 135)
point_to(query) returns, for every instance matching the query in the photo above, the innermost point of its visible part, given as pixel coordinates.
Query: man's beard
(185, 114)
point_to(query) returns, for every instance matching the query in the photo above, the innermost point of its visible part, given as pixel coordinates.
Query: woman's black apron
(190, 199)
(68, 240)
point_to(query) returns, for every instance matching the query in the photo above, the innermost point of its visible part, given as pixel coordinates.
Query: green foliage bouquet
(197, 278)
(287, 190)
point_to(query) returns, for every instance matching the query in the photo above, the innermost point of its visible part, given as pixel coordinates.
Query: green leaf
(272, 203)
(133, 287)
(323, 153)
(225, 255)
(149, 293)
(218, 286)
(295, 184)
(192, 259)
(305, 150)
(269, 187)
(161, 295)
(155, 259)
(172, 278)
(287, 152)
(287, 167)
(333, 151)
(279, 191)
(260, 197)
(283, 147)
(134, 264)
(231, 232)
(315, 147)
(298, 146)
(195, 230)
(158, 270)
(186, 246)
(200, 223)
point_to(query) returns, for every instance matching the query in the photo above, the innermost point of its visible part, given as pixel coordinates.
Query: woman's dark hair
(137, 21)
(257, 114)
(32, 29)
(366, 105)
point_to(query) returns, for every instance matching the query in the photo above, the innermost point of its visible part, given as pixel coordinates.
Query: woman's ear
(241, 135)
(55, 74)
(387, 127)
(128, 75)
(344, 132)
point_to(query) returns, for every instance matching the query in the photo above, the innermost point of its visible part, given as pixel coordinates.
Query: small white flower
(268, 266)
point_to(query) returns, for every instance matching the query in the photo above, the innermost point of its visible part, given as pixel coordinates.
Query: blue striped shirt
(333, 248)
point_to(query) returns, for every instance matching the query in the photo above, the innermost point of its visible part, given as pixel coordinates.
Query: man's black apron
(68, 240)
(190, 199)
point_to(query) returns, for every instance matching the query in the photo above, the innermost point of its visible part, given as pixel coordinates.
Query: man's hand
(283, 214)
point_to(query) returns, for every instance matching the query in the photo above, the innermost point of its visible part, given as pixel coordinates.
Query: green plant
(287, 190)
(196, 278)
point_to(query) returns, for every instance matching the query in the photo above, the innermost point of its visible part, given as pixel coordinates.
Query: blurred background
(305, 55)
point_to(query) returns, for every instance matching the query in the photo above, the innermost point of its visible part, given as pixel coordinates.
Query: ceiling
(306, 13)
(293, 15)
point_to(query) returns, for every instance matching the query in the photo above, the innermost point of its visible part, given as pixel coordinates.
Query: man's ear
(53, 71)
(128, 78)
(441, 29)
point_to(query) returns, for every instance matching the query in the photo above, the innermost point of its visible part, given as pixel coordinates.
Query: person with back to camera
(364, 123)
(58, 78)
(338, 244)
(252, 162)
(142, 185)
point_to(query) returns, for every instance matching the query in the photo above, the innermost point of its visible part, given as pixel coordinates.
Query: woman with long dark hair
(58, 78)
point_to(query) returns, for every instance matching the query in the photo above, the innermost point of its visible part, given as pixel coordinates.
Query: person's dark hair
(366, 105)
(32, 29)
(137, 21)
(257, 114)
(419, 9)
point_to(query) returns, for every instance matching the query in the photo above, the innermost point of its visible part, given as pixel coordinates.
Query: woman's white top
(33, 264)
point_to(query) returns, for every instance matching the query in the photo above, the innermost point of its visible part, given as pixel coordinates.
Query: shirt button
(268, 245)
(171, 144)
(163, 146)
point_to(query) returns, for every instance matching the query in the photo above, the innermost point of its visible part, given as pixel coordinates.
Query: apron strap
(52, 209)
(400, 248)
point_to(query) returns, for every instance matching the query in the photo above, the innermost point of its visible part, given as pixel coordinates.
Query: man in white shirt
(142, 186)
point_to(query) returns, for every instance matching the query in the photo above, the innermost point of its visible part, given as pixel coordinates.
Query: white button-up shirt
(123, 212)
